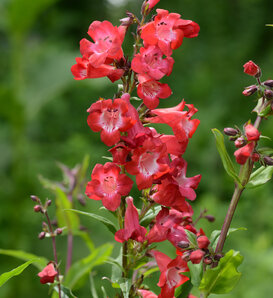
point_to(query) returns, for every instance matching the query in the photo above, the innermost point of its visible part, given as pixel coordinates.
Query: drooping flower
(251, 68)
(132, 228)
(148, 163)
(180, 121)
(167, 31)
(170, 277)
(151, 63)
(48, 274)
(108, 185)
(150, 91)
(109, 117)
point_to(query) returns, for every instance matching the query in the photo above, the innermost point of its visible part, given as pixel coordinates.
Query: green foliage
(40, 262)
(65, 292)
(17, 271)
(84, 266)
(226, 160)
(224, 277)
(196, 271)
(214, 237)
(110, 226)
(192, 238)
(260, 177)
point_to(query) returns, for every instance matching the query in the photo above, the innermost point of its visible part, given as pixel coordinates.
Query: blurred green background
(43, 120)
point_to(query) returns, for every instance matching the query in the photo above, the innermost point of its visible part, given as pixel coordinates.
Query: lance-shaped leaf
(39, 262)
(7, 275)
(110, 226)
(84, 266)
(226, 160)
(65, 292)
(196, 271)
(260, 177)
(224, 277)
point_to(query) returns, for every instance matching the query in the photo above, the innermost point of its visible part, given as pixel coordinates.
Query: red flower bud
(268, 161)
(37, 208)
(203, 242)
(47, 275)
(210, 218)
(196, 256)
(240, 142)
(251, 68)
(229, 131)
(207, 260)
(255, 157)
(250, 90)
(268, 83)
(59, 231)
(42, 235)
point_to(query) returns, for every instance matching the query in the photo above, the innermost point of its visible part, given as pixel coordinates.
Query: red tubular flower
(251, 68)
(196, 256)
(109, 117)
(186, 185)
(132, 228)
(180, 121)
(150, 91)
(108, 185)
(148, 163)
(150, 62)
(203, 242)
(147, 294)
(167, 31)
(252, 133)
(47, 275)
(170, 277)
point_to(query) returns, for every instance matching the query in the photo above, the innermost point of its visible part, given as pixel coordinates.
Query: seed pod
(229, 131)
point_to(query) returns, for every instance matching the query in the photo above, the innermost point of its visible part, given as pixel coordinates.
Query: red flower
(147, 294)
(149, 61)
(170, 277)
(167, 31)
(180, 121)
(148, 163)
(252, 133)
(203, 242)
(251, 68)
(47, 275)
(196, 256)
(108, 185)
(109, 117)
(150, 91)
(132, 228)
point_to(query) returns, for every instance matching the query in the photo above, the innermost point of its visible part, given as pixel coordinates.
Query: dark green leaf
(214, 237)
(110, 226)
(227, 162)
(260, 177)
(7, 275)
(40, 262)
(184, 290)
(224, 277)
(85, 265)
(196, 271)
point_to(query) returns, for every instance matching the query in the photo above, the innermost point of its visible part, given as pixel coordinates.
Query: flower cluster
(154, 159)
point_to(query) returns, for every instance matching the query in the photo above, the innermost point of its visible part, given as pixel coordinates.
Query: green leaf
(214, 237)
(92, 287)
(86, 239)
(196, 271)
(7, 275)
(125, 285)
(65, 292)
(192, 238)
(151, 214)
(260, 177)
(104, 292)
(227, 162)
(40, 262)
(269, 25)
(224, 277)
(85, 265)
(266, 151)
(110, 226)
(70, 220)
(184, 290)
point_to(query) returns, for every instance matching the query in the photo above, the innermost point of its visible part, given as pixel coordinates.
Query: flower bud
(217, 257)
(268, 83)
(42, 235)
(250, 90)
(37, 208)
(255, 157)
(186, 256)
(251, 68)
(268, 160)
(210, 218)
(268, 94)
(59, 231)
(48, 203)
(229, 131)
(196, 256)
(240, 142)
(207, 260)
(34, 198)
(203, 242)
(183, 244)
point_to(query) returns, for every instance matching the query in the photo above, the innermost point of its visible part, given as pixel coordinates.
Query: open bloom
(170, 277)
(109, 117)
(150, 91)
(108, 185)
(150, 62)
(132, 228)
(47, 275)
(168, 30)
